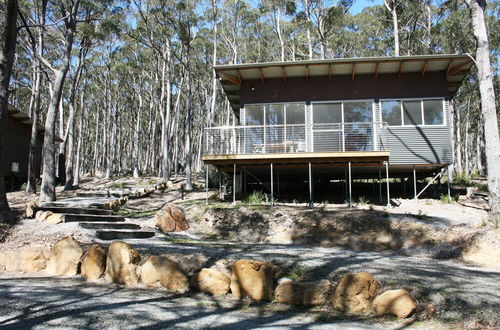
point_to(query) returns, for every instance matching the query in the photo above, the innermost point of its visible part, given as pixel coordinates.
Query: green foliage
(449, 199)
(462, 179)
(118, 185)
(257, 197)
(362, 200)
(482, 187)
(298, 273)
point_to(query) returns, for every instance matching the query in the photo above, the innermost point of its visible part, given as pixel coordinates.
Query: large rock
(42, 215)
(395, 302)
(55, 218)
(33, 259)
(30, 209)
(94, 262)
(9, 260)
(211, 281)
(121, 263)
(171, 218)
(253, 279)
(354, 293)
(159, 271)
(304, 293)
(64, 257)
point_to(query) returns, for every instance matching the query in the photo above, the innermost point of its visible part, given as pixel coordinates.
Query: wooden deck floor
(294, 159)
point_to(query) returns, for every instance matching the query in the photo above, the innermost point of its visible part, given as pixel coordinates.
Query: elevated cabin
(314, 123)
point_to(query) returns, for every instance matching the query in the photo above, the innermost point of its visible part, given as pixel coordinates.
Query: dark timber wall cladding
(408, 85)
(407, 144)
(17, 140)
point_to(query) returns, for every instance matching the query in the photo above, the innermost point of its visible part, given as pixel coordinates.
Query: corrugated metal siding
(419, 145)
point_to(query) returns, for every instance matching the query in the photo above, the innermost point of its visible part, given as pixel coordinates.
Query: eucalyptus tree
(8, 39)
(488, 102)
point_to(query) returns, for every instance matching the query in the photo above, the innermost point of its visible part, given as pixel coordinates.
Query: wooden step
(108, 225)
(75, 210)
(123, 234)
(92, 218)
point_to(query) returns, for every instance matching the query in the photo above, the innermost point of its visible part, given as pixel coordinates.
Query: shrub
(362, 200)
(482, 187)
(448, 199)
(462, 179)
(257, 197)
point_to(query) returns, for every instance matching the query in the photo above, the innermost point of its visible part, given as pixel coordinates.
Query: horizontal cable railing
(335, 137)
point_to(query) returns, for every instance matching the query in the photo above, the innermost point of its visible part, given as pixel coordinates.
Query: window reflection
(433, 112)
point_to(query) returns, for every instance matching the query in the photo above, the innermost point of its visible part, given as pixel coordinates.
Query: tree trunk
(7, 52)
(76, 180)
(48, 192)
(393, 9)
(488, 104)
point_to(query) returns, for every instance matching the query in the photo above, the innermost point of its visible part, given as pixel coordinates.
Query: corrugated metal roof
(26, 120)
(454, 66)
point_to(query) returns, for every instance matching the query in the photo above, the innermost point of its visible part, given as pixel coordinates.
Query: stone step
(108, 225)
(75, 210)
(93, 218)
(123, 234)
(99, 206)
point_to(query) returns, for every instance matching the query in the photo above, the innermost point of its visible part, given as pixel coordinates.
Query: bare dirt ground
(431, 248)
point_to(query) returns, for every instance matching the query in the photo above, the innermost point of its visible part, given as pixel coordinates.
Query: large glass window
(433, 112)
(359, 111)
(327, 113)
(415, 112)
(254, 114)
(295, 113)
(275, 114)
(412, 112)
(391, 112)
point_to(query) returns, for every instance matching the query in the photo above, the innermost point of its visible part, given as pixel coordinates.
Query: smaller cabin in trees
(307, 129)
(17, 139)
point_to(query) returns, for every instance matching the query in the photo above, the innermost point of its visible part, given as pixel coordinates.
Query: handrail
(286, 138)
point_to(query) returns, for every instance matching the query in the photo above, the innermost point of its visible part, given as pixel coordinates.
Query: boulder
(121, 262)
(395, 302)
(33, 259)
(94, 262)
(354, 293)
(159, 271)
(64, 257)
(30, 209)
(9, 260)
(211, 281)
(253, 279)
(304, 293)
(55, 218)
(42, 215)
(171, 218)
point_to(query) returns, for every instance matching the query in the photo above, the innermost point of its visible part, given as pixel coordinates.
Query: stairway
(94, 216)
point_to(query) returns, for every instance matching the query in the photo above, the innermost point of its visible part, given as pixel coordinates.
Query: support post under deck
(387, 182)
(448, 182)
(234, 184)
(350, 188)
(206, 184)
(380, 184)
(310, 187)
(414, 183)
(272, 186)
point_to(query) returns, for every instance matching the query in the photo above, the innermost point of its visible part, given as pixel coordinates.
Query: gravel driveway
(461, 294)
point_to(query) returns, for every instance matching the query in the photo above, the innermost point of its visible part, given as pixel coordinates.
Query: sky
(358, 5)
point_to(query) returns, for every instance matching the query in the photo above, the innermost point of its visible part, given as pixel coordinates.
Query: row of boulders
(354, 294)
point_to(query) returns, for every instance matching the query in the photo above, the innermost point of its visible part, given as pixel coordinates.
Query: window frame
(422, 113)
(265, 104)
(373, 103)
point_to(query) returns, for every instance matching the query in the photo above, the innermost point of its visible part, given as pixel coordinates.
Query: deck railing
(335, 137)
